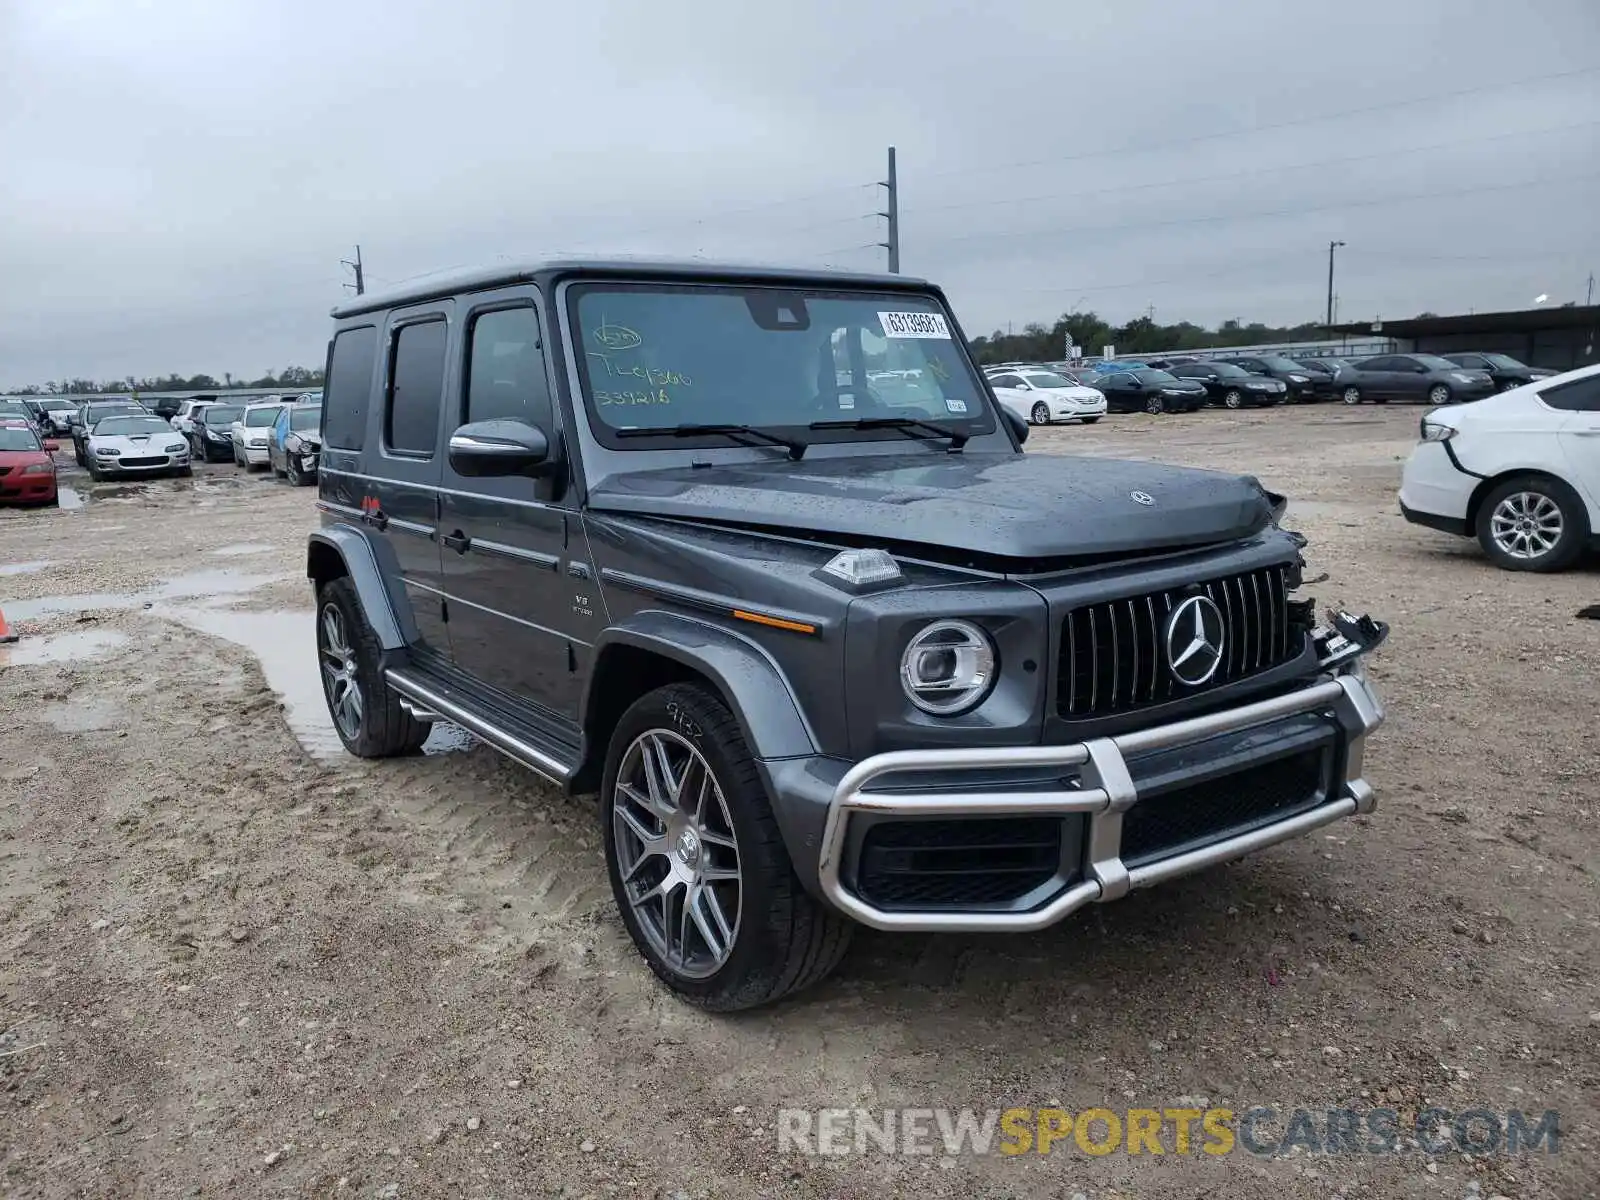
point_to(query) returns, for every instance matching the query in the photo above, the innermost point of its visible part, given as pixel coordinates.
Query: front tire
(1040, 414)
(1233, 400)
(1090, 420)
(698, 866)
(366, 711)
(1439, 394)
(292, 473)
(1532, 523)
(1351, 395)
(1155, 405)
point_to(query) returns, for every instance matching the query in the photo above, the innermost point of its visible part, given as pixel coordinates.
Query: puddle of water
(284, 643)
(240, 549)
(65, 647)
(206, 583)
(84, 717)
(24, 568)
(68, 498)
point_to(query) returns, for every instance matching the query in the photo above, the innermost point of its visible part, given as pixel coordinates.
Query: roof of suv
(507, 273)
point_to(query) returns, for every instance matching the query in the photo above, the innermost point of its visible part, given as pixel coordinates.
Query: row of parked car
(120, 437)
(1057, 391)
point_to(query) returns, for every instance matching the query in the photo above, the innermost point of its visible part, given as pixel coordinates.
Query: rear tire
(1532, 523)
(667, 831)
(366, 711)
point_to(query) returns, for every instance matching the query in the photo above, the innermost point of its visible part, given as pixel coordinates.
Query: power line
(1275, 170)
(1276, 212)
(1132, 148)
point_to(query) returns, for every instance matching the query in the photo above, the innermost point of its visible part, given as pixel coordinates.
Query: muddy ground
(235, 962)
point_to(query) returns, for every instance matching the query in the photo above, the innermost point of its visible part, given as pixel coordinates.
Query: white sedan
(1041, 397)
(135, 446)
(1520, 471)
(251, 432)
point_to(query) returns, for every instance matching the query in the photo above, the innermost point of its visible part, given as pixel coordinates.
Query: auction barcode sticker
(914, 325)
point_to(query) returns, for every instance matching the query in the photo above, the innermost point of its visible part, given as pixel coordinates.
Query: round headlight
(948, 668)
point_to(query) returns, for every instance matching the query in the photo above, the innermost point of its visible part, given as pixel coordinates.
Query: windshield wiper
(750, 433)
(929, 429)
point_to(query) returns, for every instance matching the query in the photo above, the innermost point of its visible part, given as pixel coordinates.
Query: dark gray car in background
(651, 531)
(1413, 378)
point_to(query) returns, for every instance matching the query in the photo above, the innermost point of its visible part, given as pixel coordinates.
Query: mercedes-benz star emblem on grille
(1195, 634)
(1142, 497)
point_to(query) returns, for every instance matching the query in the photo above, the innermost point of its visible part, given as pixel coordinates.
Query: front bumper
(255, 455)
(1090, 788)
(17, 488)
(142, 464)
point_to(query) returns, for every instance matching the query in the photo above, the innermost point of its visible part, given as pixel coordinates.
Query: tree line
(1142, 335)
(289, 377)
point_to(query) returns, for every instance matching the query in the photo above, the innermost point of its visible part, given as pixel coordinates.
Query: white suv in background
(250, 433)
(1519, 471)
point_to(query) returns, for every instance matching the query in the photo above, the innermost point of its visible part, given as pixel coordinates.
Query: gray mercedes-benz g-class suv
(755, 555)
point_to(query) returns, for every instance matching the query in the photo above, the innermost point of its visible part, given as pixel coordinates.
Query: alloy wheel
(1438, 394)
(1041, 413)
(1526, 525)
(1352, 396)
(677, 855)
(1233, 400)
(1154, 405)
(340, 673)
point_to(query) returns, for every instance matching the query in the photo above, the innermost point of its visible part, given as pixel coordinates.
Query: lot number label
(914, 325)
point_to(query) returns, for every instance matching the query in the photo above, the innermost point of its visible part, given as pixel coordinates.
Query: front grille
(1166, 824)
(5, 470)
(957, 863)
(159, 461)
(1114, 656)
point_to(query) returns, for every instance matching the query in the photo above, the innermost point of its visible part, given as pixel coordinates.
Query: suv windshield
(125, 425)
(258, 418)
(657, 357)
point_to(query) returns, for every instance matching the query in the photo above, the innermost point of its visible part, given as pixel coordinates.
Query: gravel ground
(234, 961)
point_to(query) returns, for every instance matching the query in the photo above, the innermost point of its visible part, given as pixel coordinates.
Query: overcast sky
(180, 178)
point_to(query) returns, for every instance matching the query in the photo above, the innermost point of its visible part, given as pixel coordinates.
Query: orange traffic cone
(5, 630)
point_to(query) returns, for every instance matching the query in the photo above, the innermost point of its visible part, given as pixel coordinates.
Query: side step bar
(425, 703)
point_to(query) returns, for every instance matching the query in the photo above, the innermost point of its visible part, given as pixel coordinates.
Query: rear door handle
(457, 541)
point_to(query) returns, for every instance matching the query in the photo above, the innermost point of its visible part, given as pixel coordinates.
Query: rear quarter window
(347, 391)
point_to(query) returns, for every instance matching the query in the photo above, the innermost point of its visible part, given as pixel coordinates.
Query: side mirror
(1018, 425)
(498, 448)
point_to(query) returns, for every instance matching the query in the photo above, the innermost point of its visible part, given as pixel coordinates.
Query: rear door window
(348, 388)
(416, 387)
(1581, 395)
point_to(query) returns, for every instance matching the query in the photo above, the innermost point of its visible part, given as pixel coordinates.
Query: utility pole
(361, 282)
(1332, 246)
(1590, 300)
(892, 216)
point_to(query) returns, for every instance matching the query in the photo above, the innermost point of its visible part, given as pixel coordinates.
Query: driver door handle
(457, 541)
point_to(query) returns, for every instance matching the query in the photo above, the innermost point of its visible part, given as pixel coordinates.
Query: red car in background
(27, 472)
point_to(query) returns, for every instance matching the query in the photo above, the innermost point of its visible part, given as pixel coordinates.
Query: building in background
(1557, 339)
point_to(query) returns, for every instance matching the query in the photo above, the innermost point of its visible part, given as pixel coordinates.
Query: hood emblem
(1195, 637)
(1142, 498)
